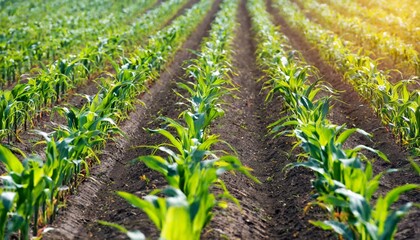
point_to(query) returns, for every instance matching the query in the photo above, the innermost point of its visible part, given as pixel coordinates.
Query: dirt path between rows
(350, 109)
(96, 198)
(273, 209)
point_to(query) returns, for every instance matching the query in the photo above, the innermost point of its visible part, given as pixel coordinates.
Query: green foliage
(366, 35)
(344, 182)
(36, 34)
(71, 148)
(52, 82)
(192, 168)
(397, 107)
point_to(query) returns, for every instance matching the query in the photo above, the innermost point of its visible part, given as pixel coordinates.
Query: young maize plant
(52, 84)
(366, 35)
(397, 107)
(344, 181)
(192, 168)
(33, 189)
(37, 183)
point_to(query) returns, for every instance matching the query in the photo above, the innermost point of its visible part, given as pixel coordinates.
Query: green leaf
(156, 163)
(392, 221)
(133, 235)
(170, 137)
(7, 199)
(358, 204)
(345, 135)
(10, 160)
(415, 166)
(395, 193)
(178, 224)
(114, 225)
(144, 205)
(379, 153)
(337, 227)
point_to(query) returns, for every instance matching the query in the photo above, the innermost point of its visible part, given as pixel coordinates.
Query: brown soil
(271, 210)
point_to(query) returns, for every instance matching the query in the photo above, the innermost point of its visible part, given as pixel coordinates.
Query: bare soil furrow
(273, 209)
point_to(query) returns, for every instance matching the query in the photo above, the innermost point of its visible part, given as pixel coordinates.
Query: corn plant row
(398, 108)
(26, 100)
(42, 12)
(114, 42)
(376, 15)
(32, 190)
(192, 168)
(392, 47)
(51, 34)
(344, 181)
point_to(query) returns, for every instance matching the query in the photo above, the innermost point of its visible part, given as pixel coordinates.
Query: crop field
(209, 119)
